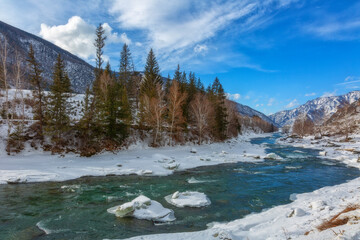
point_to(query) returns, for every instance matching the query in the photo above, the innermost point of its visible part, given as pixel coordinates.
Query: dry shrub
(335, 222)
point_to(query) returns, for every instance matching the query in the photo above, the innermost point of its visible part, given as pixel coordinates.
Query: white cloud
(271, 101)
(113, 37)
(173, 25)
(329, 94)
(200, 48)
(310, 94)
(337, 25)
(77, 36)
(336, 30)
(350, 82)
(292, 104)
(235, 96)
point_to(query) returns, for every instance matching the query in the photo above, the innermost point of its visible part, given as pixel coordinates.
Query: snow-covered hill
(319, 109)
(249, 112)
(80, 72)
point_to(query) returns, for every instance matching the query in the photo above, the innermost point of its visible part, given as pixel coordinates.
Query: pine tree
(97, 99)
(191, 91)
(152, 76)
(152, 105)
(177, 74)
(116, 109)
(183, 82)
(59, 107)
(217, 97)
(37, 84)
(200, 86)
(99, 45)
(126, 68)
(127, 85)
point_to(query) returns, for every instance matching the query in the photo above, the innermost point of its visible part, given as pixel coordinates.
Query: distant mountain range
(80, 72)
(319, 110)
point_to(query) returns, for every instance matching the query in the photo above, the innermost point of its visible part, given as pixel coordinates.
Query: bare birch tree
(176, 100)
(18, 78)
(201, 110)
(4, 77)
(154, 110)
(233, 126)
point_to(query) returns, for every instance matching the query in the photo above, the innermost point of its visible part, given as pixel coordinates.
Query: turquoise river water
(78, 210)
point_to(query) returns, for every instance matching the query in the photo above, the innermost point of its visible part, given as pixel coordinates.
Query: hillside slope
(80, 72)
(249, 112)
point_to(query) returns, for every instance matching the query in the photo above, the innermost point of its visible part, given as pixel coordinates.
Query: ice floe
(143, 208)
(188, 199)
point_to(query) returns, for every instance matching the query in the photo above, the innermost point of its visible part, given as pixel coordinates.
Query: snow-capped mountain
(346, 120)
(248, 111)
(80, 72)
(319, 109)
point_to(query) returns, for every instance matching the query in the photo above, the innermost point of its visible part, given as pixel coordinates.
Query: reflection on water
(77, 209)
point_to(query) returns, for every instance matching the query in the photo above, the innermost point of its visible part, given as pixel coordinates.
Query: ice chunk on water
(322, 153)
(188, 199)
(143, 208)
(273, 156)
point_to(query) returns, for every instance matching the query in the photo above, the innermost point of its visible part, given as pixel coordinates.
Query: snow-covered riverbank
(335, 148)
(39, 166)
(301, 218)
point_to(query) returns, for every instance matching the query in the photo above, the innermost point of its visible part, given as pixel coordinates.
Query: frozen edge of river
(40, 166)
(290, 221)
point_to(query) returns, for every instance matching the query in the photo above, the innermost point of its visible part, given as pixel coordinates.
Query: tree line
(123, 106)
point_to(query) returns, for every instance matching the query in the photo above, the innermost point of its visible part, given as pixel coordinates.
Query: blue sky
(269, 54)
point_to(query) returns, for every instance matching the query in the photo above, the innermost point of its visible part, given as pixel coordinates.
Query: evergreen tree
(218, 97)
(152, 76)
(58, 106)
(37, 84)
(200, 86)
(97, 100)
(126, 68)
(167, 84)
(152, 106)
(99, 45)
(177, 74)
(191, 91)
(183, 82)
(116, 110)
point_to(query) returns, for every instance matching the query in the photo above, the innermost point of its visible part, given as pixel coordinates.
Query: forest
(118, 109)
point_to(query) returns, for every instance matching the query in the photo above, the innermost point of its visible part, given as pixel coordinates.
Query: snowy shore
(39, 166)
(301, 218)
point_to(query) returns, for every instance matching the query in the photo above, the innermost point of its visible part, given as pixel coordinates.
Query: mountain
(249, 112)
(346, 120)
(80, 72)
(319, 110)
